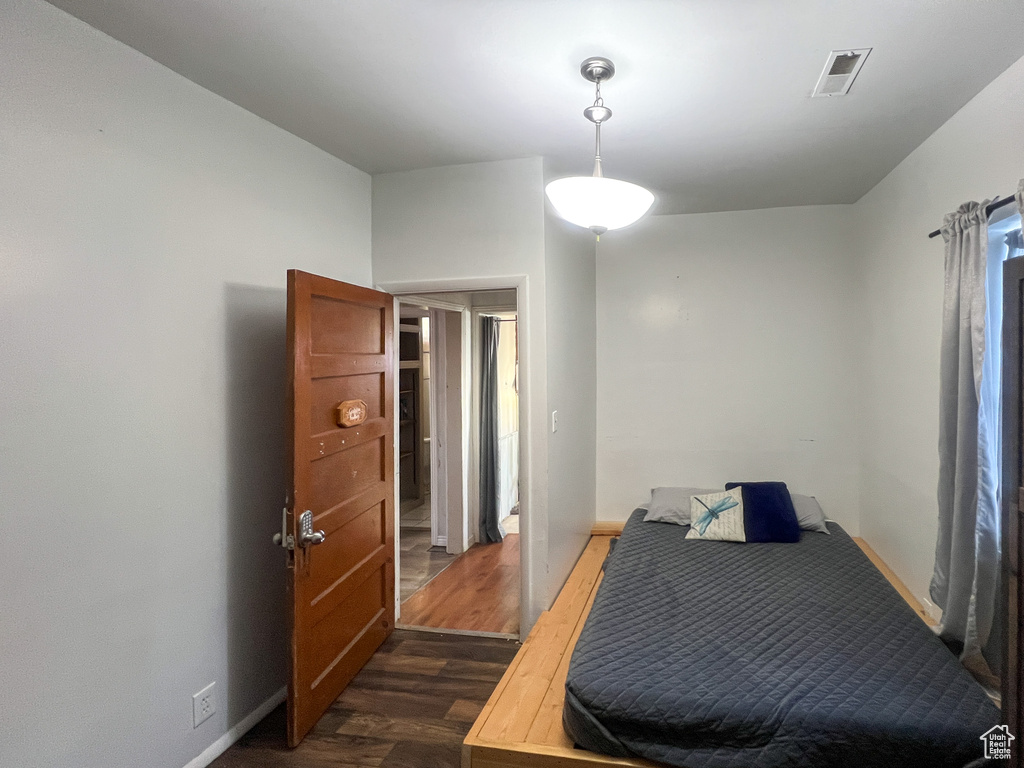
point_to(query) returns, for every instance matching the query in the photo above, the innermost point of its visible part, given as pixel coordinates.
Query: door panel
(355, 541)
(344, 473)
(341, 327)
(324, 399)
(340, 341)
(346, 621)
(340, 514)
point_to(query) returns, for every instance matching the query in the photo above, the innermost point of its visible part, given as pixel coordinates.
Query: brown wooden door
(340, 348)
(1013, 499)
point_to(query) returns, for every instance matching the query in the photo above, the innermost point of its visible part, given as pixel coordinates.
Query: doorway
(423, 547)
(458, 462)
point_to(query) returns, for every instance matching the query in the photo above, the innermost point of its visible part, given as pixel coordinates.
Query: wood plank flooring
(420, 562)
(410, 706)
(479, 592)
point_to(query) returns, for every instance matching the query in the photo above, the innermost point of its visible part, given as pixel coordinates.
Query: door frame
(454, 460)
(420, 291)
(438, 409)
(439, 460)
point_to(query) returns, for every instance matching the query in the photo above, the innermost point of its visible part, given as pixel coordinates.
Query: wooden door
(340, 348)
(1013, 498)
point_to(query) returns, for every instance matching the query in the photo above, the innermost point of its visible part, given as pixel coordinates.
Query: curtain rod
(988, 211)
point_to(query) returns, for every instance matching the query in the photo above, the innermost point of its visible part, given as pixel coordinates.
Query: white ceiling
(710, 99)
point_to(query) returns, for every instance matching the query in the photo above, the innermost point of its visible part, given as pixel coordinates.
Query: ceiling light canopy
(597, 202)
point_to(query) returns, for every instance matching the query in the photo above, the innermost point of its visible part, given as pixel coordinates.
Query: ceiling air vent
(840, 70)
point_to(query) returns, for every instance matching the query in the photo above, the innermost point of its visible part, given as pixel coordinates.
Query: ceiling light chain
(597, 202)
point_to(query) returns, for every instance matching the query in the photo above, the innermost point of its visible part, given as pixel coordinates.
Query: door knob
(307, 536)
(316, 537)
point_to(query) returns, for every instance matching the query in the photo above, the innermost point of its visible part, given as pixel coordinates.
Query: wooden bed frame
(521, 724)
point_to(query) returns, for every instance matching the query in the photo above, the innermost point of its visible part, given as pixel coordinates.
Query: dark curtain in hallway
(490, 527)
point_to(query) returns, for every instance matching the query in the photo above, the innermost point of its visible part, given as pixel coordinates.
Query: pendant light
(597, 202)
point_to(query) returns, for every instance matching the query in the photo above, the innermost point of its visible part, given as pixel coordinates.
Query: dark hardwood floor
(410, 707)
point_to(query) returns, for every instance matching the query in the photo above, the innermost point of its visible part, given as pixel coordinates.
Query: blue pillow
(768, 513)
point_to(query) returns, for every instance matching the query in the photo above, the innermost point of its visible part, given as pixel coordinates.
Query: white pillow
(672, 505)
(808, 513)
(717, 516)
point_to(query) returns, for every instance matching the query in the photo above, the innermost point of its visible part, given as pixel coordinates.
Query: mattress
(708, 654)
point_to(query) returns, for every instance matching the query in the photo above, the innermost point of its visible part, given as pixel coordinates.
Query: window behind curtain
(1003, 239)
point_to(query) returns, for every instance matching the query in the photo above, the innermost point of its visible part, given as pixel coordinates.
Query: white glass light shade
(597, 202)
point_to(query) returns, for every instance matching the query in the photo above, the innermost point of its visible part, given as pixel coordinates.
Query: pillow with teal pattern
(717, 516)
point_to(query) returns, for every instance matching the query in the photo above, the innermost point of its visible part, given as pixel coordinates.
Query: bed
(710, 654)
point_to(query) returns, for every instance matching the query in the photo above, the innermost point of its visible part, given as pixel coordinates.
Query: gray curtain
(490, 527)
(965, 581)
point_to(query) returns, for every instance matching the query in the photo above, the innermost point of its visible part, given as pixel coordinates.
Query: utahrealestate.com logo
(997, 742)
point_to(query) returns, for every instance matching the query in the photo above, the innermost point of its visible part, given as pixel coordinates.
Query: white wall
(145, 229)
(977, 154)
(481, 226)
(724, 353)
(572, 391)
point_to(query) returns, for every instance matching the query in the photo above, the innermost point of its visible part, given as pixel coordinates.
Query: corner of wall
(902, 277)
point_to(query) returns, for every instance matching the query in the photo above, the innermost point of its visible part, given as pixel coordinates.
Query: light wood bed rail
(521, 724)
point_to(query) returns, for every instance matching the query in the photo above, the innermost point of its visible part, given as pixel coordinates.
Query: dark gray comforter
(722, 655)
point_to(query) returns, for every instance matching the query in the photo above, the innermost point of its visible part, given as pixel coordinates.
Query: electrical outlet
(554, 421)
(204, 704)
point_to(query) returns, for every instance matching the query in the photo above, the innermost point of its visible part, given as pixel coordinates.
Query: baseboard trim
(932, 610)
(221, 745)
(442, 541)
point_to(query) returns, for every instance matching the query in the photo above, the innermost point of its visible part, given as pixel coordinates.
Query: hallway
(478, 592)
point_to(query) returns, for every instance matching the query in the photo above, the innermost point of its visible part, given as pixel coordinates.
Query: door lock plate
(284, 539)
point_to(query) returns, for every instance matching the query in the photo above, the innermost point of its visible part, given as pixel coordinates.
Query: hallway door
(341, 503)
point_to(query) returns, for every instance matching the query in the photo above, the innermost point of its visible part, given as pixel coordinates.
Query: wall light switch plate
(204, 704)
(554, 421)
